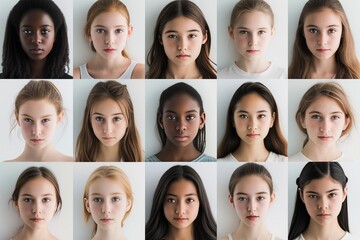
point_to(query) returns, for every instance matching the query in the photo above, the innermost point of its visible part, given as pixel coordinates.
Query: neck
(45, 154)
(178, 154)
(325, 69)
(317, 153)
(254, 65)
(180, 233)
(107, 63)
(108, 154)
(37, 68)
(246, 232)
(183, 72)
(251, 152)
(109, 234)
(34, 234)
(324, 232)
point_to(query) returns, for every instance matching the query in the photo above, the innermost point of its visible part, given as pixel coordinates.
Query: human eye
(243, 32)
(27, 200)
(117, 119)
(192, 36)
(45, 120)
(312, 196)
(190, 117)
(27, 31)
(242, 199)
(97, 200)
(119, 30)
(332, 30)
(99, 119)
(45, 31)
(243, 116)
(261, 116)
(260, 198)
(171, 117)
(46, 200)
(190, 200)
(261, 32)
(100, 30)
(313, 30)
(27, 120)
(116, 199)
(171, 200)
(332, 195)
(172, 36)
(316, 117)
(335, 117)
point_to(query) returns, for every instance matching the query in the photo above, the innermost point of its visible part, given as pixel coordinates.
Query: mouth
(109, 50)
(251, 51)
(325, 137)
(180, 219)
(322, 50)
(182, 56)
(36, 219)
(252, 217)
(106, 220)
(323, 215)
(36, 51)
(252, 135)
(37, 140)
(181, 138)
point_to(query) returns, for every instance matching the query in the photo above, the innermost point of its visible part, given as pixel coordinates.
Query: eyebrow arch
(173, 31)
(317, 112)
(99, 194)
(96, 113)
(329, 191)
(243, 111)
(189, 194)
(26, 115)
(241, 193)
(244, 28)
(29, 195)
(106, 27)
(311, 25)
(27, 26)
(190, 111)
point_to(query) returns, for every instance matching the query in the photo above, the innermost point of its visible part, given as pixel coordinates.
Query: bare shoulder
(76, 73)
(223, 238)
(277, 238)
(66, 158)
(138, 72)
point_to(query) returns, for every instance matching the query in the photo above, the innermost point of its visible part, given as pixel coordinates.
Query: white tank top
(230, 237)
(84, 74)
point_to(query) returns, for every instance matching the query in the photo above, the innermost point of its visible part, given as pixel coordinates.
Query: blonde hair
(331, 90)
(112, 173)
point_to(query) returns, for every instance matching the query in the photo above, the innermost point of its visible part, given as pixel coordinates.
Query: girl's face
(108, 122)
(323, 199)
(324, 122)
(253, 118)
(182, 39)
(251, 199)
(37, 203)
(181, 205)
(37, 34)
(181, 119)
(322, 32)
(107, 203)
(252, 33)
(38, 120)
(109, 32)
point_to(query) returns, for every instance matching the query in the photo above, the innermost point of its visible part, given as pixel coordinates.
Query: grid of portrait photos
(180, 119)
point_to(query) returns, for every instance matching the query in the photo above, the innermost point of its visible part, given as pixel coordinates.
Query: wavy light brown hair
(88, 145)
(331, 90)
(101, 6)
(347, 64)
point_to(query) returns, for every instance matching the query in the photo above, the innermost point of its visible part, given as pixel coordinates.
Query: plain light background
(353, 197)
(207, 91)
(135, 44)
(82, 88)
(206, 171)
(350, 144)
(226, 89)
(12, 144)
(276, 218)
(276, 52)
(153, 9)
(66, 9)
(351, 9)
(134, 224)
(61, 224)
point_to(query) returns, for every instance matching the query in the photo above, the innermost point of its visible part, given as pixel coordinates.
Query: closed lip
(108, 138)
(106, 219)
(252, 217)
(181, 137)
(322, 49)
(324, 215)
(251, 135)
(182, 56)
(36, 219)
(252, 51)
(180, 219)
(325, 137)
(36, 50)
(109, 49)
(36, 140)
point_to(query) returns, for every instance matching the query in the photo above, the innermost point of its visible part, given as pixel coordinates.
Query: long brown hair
(347, 64)
(157, 59)
(87, 145)
(274, 141)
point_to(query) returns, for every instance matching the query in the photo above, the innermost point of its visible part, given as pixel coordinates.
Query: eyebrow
(190, 111)
(337, 112)
(115, 193)
(311, 25)
(96, 113)
(27, 25)
(29, 195)
(186, 195)
(174, 31)
(26, 115)
(107, 27)
(241, 193)
(243, 111)
(332, 190)
(244, 28)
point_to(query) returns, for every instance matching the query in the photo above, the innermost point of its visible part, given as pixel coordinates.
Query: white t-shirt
(273, 157)
(233, 71)
(300, 157)
(347, 236)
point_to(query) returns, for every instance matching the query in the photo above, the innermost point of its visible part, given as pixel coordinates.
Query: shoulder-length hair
(157, 225)
(331, 90)
(274, 141)
(311, 171)
(176, 89)
(88, 145)
(157, 59)
(347, 64)
(15, 61)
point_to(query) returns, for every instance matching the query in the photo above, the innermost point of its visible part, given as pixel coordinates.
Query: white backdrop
(153, 9)
(12, 145)
(352, 13)
(82, 88)
(277, 51)
(297, 88)
(276, 220)
(11, 223)
(135, 44)
(66, 9)
(134, 225)
(207, 91)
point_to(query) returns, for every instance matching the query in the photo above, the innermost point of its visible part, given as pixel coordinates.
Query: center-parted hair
(274, 141)
(15, 62)
(333, 91)
(177, 89)
(88, 145)
(32, 173)
(157, 225)
(311, 171)
(157, 59)
(115, 174)
(347, 64)
(102, 6)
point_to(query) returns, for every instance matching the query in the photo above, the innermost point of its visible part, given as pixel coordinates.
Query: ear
(60, 116)
(272, 119)
(87, 205)
(130, 30)
(272, 198)
(205, 38)
(345, 193)
(128, 205)
(16, 206)
(202, 120)
(231, 32)
(272, 31)
(17, 118)
(231, 201)
(159, 119)
(302, 121)
(347, 122)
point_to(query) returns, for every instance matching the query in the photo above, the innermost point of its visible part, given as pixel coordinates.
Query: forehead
(183, 101)
(182, 187)
(253, 102)
(104, 185)
(323, 184)
(110, 18)
(36, 16)
(322, 18)
(181, 24)
(38, 186)
(251, 184)
(254, 20)
(323, 104)
(37, 107)
(107, 105)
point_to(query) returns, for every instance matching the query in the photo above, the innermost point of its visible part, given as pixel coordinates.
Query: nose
(108, 127)
(37, 208)
(36, 130)
(180, 208)
(251, 206)
(37, 37)
(253, 40)
(109, 39)
(325, 126)
(106, 208)
(323, 204)
(252, 124)
(182, 43)
(181, 125)
(322, 39)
